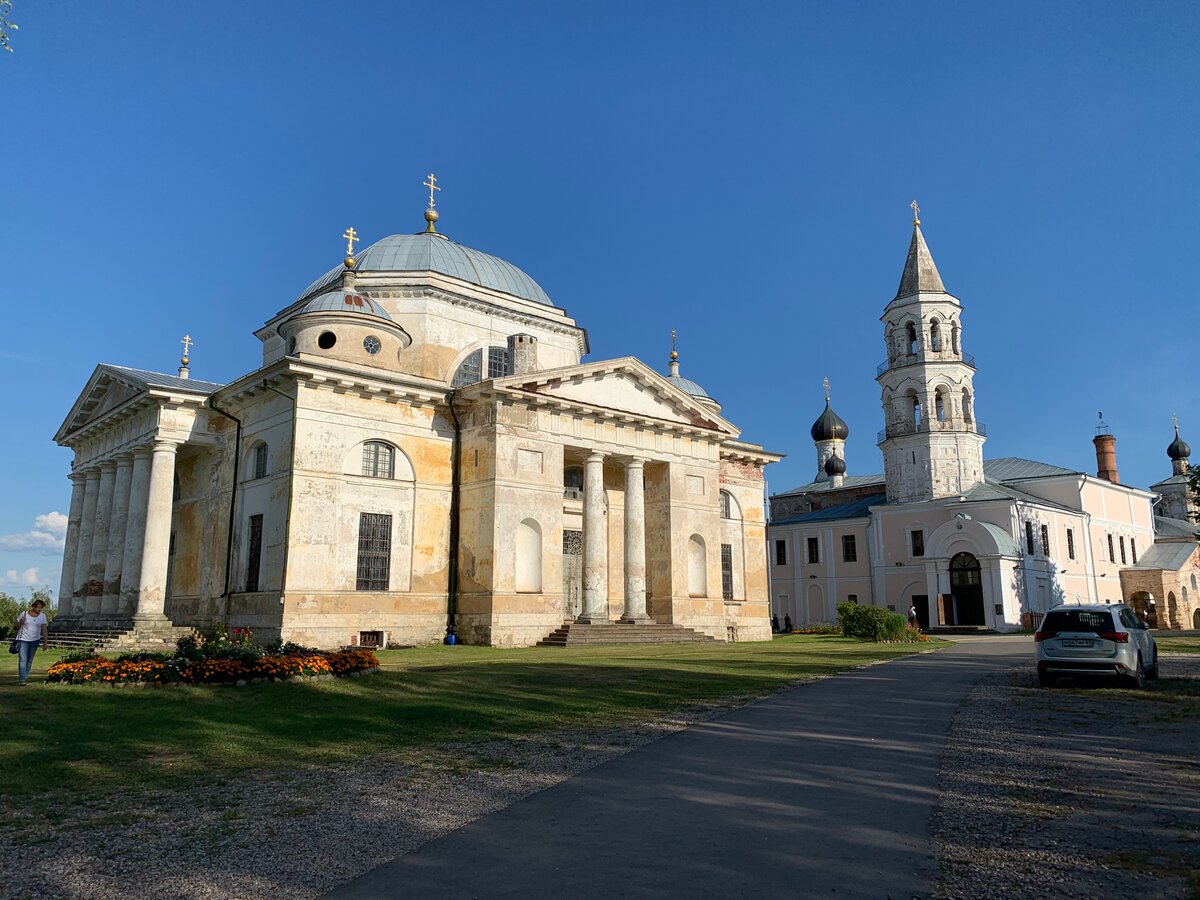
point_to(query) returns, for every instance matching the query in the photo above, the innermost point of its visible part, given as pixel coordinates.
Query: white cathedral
(420, 449)
(964, 541)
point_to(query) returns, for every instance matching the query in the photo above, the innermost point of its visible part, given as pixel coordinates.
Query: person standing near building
(30, 631)
(912, 617)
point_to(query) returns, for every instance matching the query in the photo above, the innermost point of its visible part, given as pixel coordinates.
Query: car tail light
(1117, 637)
(1039, 636)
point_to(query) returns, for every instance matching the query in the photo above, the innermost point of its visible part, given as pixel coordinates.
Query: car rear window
(1077, 620)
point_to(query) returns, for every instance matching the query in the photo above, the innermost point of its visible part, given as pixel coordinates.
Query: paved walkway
(823, 789)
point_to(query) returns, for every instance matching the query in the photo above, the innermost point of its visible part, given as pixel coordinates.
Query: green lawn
(86, 739)
(1178, 644)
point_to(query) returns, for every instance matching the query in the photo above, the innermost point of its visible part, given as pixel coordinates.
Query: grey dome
(835, 465)
(1178, 448)
(830, 426)
(427, 252)
(689, 387)
(343, 301)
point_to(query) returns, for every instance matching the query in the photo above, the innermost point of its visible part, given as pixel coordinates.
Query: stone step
(574, 634)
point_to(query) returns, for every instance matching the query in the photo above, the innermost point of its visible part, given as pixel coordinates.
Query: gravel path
(1072, 793)
(295, 834)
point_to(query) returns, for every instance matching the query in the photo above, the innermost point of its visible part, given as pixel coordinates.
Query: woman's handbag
(12, 645)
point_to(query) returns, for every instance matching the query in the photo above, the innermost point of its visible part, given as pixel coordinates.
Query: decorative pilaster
(595, 544)
(66, 585)
(156, 542)
(87, 530)
(135, 532)
(635, 543)
(114, 559)
(95, 582)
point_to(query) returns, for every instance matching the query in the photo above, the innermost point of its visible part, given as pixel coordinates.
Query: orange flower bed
(98, 670)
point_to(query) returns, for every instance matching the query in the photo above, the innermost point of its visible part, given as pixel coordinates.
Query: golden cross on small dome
(916, 213)
(432, 185)
(825, 384)
(352, 238)
(187, 347)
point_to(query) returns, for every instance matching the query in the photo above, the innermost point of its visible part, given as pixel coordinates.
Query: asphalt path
(823, 789)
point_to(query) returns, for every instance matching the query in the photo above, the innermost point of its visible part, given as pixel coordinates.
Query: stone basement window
(372, 640)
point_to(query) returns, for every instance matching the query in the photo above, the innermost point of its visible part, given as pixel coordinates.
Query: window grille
(1112, 557)
(254, 554)
(1045, 541)
(1029, 538)
(260, 461)
(1133, 551)
(918, 543)
(849, 548)
(1070, 543)
(379, 459)
(1121, 540)
(814, 551)
(781, 553)
(374, 551)
(727, 571)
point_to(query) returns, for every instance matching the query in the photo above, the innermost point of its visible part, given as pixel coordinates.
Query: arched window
(697, 567)
(912, 338)
(954, 337)
(379, 460)
(529, 557)
(935, 336)
(259, 458)
(725, 500)
(471, 369)
(968, 415)
(914, 405)
(939, 405)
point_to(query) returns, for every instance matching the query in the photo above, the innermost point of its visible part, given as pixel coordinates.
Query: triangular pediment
(623, 386)
(106, 390)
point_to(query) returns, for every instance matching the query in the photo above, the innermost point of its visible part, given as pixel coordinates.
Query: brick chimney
(1106, 457)
(522, 351)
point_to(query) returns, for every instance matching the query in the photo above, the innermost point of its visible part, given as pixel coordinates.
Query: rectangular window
(374, 551)
(918, 543)
(849, 548)
(1045, 541)
(852, 598)
(1112, 557)
(254, 554)
(1070, 543)
(727, 571)
(497, 362)
(1121, 541)
(1029, 538)
(781, 553)
(260, 461)
(1133, 550)
(814, 551)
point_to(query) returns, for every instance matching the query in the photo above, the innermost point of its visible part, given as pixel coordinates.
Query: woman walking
(31, 631)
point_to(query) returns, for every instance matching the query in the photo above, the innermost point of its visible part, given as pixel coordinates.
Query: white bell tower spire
(932, 444)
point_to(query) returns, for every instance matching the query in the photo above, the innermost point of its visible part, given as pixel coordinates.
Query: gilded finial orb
(431, 216)
(674, 354)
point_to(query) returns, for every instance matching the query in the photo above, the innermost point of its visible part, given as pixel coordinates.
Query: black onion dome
(830, 426)
(835, 465)
(1178, 448)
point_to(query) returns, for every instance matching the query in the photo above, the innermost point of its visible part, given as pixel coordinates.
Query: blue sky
(739, 172)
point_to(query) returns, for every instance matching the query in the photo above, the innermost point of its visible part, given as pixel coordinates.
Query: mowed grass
(91, 739)
(1178, 644)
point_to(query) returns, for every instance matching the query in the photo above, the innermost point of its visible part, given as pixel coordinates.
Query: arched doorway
(1172, 611)
(1196, 620)
(966, 588)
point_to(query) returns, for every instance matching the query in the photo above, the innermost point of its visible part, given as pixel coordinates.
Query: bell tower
(932, 443)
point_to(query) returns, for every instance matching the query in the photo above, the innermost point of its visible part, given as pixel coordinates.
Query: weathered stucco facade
(422, 447)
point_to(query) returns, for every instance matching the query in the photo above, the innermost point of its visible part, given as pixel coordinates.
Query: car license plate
(1076, 642)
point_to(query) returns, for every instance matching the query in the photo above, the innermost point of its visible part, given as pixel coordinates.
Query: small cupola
(343, 324)
(1178, 451)
(829, 426)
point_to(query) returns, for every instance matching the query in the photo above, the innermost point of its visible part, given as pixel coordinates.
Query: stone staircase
(115, 638)
(575, 634)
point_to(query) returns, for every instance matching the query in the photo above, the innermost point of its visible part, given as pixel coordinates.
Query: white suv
(1095, 640)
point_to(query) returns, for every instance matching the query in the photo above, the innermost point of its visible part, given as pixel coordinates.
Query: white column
(135, 532)
(95, 583)
(635, 543)
(87, 530)
(595, 544)
(114, 558)
(156, 543)
(66, 585)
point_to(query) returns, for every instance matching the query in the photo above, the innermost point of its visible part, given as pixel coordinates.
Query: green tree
(11, 607)
(1193, 477)
(7, 27)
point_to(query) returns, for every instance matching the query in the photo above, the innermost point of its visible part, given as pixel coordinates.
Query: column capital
(596, 456)
(165, 445)
(635, 462)
(77, 476)
(108, 465)
(142, 452)
(92, 473)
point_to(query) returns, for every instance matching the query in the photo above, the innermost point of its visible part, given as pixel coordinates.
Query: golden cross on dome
(352, 238)
(187, 346)
(432, 185)
(916, 213)
(825, 384)
(674, 350)
(1175, 420)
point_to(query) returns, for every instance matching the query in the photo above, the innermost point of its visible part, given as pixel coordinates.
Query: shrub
(872, 623)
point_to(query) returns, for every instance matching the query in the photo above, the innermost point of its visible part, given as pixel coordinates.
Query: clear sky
(738, 171)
